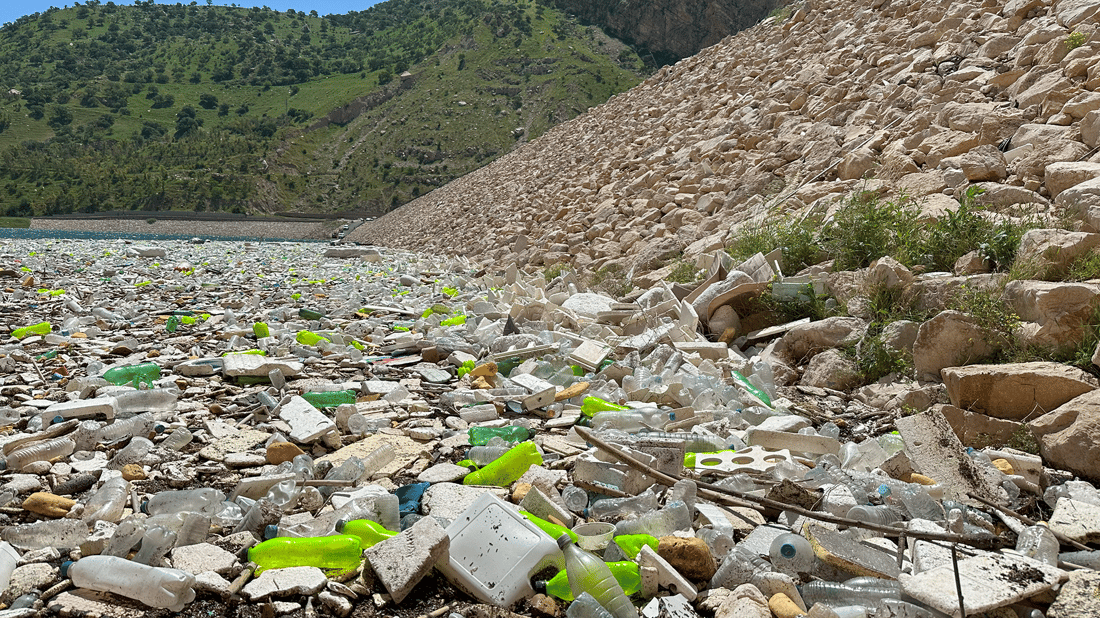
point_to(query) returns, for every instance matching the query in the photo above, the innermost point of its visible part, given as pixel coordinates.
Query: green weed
(683, 272)
(553, 271)
(19, 222)
(795, 237)
(867, 227)
(611, 280)
(1074, 40)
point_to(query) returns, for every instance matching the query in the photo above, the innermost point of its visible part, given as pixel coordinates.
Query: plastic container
(631, 544)
(133, 452)
(140, 425)
(126, 536)
(695, 442)
(877, 514)
(60, 533)
(550, 528)
(507, 468)
(206, 500)
(42, 328)
(195, 527)
(1039, 542)
(591, 405)
(341, 553)
(151, 400)
(178, 439)
(633, 420)
(618, 508)
(575, 498)
(791, 554)
(41, 451)
(593, 536)
(134, 375)
(495, 551)
(719, 542)
(479, 436)
(261, 330)
(108, 503)
(153, 586)
(625, 572)
(306, 337)
(155, 543)
(310, 314)
(675, 516)
(8, 559)
(587, 573)
(330, 399)
(485, 455)
(369, 533)
(856, 591)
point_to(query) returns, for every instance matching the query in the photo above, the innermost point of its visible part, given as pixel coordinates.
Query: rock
(984, 163)
(744, 601)
(303, 580)
(1066, 436)
(1015, 391)
(803, 342)
(1090, 129)
(237, 365)
(936, 452)
(831, 369)
(1077, 597)
(203, 557)
(900, 336)
(691, 557)
(978, 430)
(922, 183)
(976, 574)
(1000, 195)
(279, 452)
(1063, 175)
(970, 264)
(888, 273)
(337, 604)
(402, 561)
(1051, 251)
(133, 472)
(1055, 315)
(587, 304)
(210, 582)
(449, 500)
(542, 606)
(307, 423)
(856, 164)
(29, 577)
(443, 473)
(47, 504)
(1084, 199)
(948, 340)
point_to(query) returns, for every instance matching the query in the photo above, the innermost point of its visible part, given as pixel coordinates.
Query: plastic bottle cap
(787, 550)
(271, 531)
(145, 506)
(564, 540)
(65, 568)
(340, 525)
(58, 419)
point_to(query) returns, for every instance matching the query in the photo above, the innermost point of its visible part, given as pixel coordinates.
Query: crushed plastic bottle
(507, 468)
(42, 328)
(587, 573)
(134, 375)
(340, 553)
(154, 586)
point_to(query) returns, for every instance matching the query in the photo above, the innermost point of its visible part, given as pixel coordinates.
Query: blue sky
(11, 10)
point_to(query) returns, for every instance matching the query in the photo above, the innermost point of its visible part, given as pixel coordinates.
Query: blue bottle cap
(65, 568)
(271, 531)
(787, 550)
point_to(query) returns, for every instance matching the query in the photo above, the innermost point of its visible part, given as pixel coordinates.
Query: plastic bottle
(205, 500)
(587, 573)
(41, 451)
(339, 552)
(126, 536)
(1039, 542)
(575, 498)
(306, 337)
(695, 442)
(550, 528)
(631, 544)
(59, 533)
(485, 455)
(310, 314)
(108, 503)
(791, 554)
(330, 399)
(176, 440)
(261, 330)
(8, 559)
(479, 436)
(106, 314)
(151, 400)
(369, 533)
(140, 425)
(877, 514)
(153, 586)
(172, 324)
(194, 529)
(507, 468)
(591, 405)
(585, 606)
(675, 516)
(42, 328)
(133, 375)
(625, 572)
(719, 542)
(605, 508)
(633, 420)
(856, 591)
(155, 543)
(133, 452)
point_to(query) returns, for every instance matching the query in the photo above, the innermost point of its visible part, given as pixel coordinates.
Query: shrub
(683, 272)
(151, 220)
(795, 237)
(611, 280)
(866, 228)
(1074, 40)
(553, 271)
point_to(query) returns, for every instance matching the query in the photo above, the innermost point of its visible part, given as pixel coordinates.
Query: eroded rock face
(1067, 436)
(950, 339)
(1015, 391)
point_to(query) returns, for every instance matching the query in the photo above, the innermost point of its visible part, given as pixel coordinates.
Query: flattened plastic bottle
(108, 503)
(587, 573)
(339, 552)
(370, 533)
(41, 451)
(507, 468)
(205, 500)
(154, 586)
(135, 375)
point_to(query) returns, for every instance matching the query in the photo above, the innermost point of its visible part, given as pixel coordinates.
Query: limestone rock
(984, 163)
(1055, 315)
(948, 340)
(1015, 391)
(807, 340)
(889, 273)
(1063, 175)
(1077, 597)
(745, 601)
(831, 369)
(1067, 434)
(1051, 251)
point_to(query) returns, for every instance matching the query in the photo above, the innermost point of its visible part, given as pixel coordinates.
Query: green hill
(155, 107)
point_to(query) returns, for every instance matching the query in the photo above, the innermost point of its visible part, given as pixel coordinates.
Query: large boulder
(1051, 251)
(1065, 174)
(950, 339)
(1084, 199)
(1015, 391)
(831, 369)
(1067, 436)
(807, 340)
(1055, 315)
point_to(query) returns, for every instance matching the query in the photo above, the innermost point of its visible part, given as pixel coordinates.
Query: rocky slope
(930, 96)
(670, 28)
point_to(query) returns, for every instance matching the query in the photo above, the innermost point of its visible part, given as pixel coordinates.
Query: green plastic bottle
(261, 330)
(507, 468)
(306, 337)
(631, 544)
(549, 527)
(310, 314)
(749, 386)
(42, 328)
(591, 405)
(330, 399)
(173, 324)
(370, 533)
(480, 436)
(134, 375)
(625, 572)
(340, 552)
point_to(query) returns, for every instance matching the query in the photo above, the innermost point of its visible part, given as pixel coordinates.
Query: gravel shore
(296, 230)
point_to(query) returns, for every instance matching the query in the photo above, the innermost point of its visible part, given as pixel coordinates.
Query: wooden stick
(958, 582)
(729, 496)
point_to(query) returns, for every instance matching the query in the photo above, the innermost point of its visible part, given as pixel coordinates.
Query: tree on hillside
(208, 101)
(186, 122)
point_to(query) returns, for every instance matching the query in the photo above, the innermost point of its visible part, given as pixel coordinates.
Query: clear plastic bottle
(152, 400)
(575, 498)
(587, 573)
(633, 420)
(856, 591)
(176, 440)
(485, 455)
(694, 442)
(140, 425)
(876, 514)
(684, 490)
(126, 536)
(205, 500)
(585, 606)
(86, 435)
(720, 543)
(1039, 542)
(8, 559)
(155, 543)
(194, 529)
(156, 587)
(792, 554)
(605, 508)
(41, 451)
(59, 533)
(108, 503)
(675, 516)
(133, 452)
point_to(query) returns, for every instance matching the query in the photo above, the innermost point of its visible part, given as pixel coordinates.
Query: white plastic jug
(8, 558)
(495, 551)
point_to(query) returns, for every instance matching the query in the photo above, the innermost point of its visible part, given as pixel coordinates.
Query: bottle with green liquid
(133, 375)
(591, 405)
(370, 533)
(507, 468)
(330, 399)
(341, 552)
(42, 328)
(625, 572)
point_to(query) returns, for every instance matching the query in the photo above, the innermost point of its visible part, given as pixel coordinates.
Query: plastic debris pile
(302, 428)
